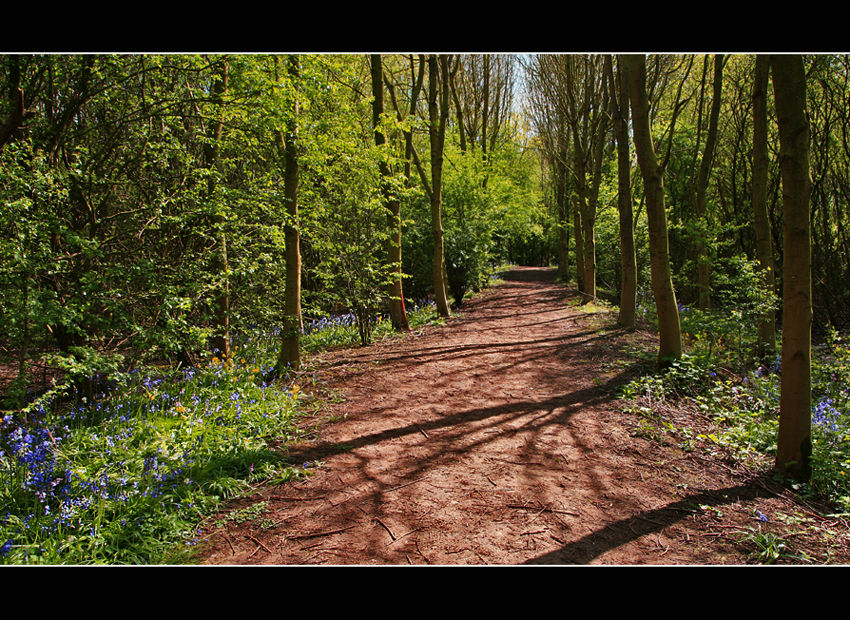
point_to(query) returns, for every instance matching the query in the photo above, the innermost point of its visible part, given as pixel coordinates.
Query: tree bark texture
(628, 256)
(398, 314)
(761, 221)
(669, 326)
(290, 351)
(438, 106)
(794, 447)
(703, 260)
(562, 192)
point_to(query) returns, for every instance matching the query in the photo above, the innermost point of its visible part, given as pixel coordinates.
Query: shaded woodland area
(159, 209)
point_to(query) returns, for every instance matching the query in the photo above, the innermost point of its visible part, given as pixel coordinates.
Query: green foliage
(831, 419)
(349, 233)
(469, 225)
(492, 215)
(339, 331)
(769, 547)
(417, 249)
(729, 333)
(126, 477)
(744, 405)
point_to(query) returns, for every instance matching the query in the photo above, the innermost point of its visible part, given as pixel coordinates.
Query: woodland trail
(497, 439)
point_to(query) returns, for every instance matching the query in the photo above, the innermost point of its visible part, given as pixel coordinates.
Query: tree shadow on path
(620, 533)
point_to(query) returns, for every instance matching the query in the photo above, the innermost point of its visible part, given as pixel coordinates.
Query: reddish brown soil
(498, 439)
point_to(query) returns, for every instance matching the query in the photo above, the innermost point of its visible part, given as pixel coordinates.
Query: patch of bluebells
(324, 323)
(115, 460)
(52, 497)
(828, 418)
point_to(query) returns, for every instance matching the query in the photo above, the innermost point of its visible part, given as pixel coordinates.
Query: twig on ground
(259, 543)
(318, 534)
(386, 527)
(407, 484)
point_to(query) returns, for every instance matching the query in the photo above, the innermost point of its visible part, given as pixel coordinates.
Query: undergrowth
(128, 476)
(720, 377)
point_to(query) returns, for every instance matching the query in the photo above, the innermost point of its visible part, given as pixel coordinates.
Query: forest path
(495, 439)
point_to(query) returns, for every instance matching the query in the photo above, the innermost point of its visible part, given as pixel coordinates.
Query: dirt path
(497, 439)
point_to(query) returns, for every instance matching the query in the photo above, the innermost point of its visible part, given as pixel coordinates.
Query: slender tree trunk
(703, 266)
(794, 446)
(398, 315)
(589, 126)
(290, 351)
(591, 207)
(585, 248)
(628, 256)
(562, 191)
(485, 107)
(761, 221)
(458, 108)
(669, 327)
(221, 339)
(438, 93)
(579, 243)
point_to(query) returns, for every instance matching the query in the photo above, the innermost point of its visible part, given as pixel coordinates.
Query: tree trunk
(458, 108)
(579, 242)
(761, 221)
(669, 327)
(562, 191)
(702, 186)
(588, 121)
(438, 93)
(591, 207)
(221, 339)
(794, 446)
(628, 256)
(290, 351)
(398, 315)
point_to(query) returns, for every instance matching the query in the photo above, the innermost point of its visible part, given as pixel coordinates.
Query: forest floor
(498, 438)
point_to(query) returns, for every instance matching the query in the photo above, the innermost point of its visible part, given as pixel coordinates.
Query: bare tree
(549, 114)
